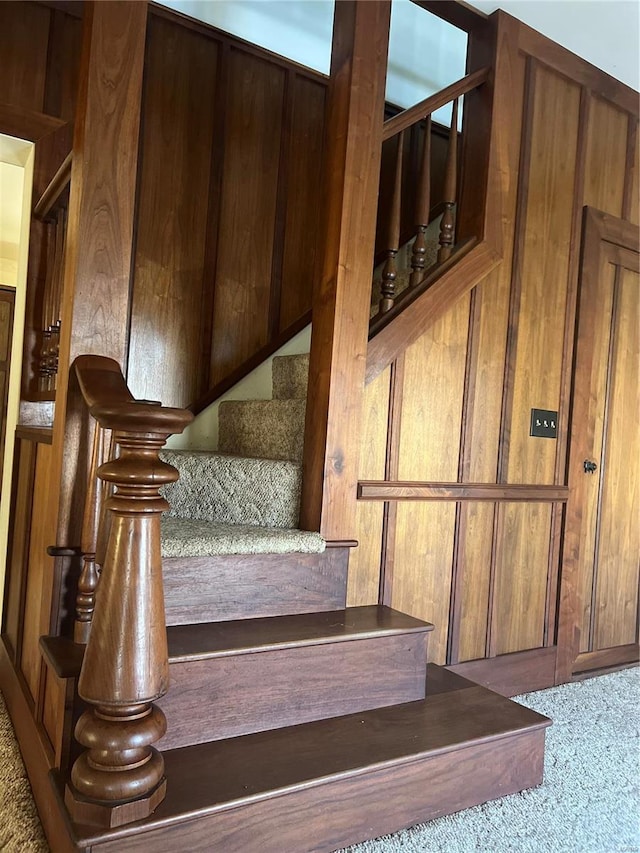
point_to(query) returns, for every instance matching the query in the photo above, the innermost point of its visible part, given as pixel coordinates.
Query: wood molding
(54, 189)
(605, 658)
(381, 490)
(519, 672)
(41, 435)
(462, 15)
(27, 124)
(429, 306)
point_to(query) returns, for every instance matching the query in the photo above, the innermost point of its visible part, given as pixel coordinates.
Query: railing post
(120, 778)
(390, 271)
(418, 255)
(447, 225)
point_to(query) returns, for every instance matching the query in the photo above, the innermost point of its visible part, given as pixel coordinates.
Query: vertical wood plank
(543, 268)
(518, 616)
(618, 557)
(168, 285)
(632, 210)
(95, 302)
(341, 301)
(248, 210)
(364, 561)
(301, 240)
(606, 157)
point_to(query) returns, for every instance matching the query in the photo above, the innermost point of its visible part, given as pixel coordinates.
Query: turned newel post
(120, 778)
(447, 225)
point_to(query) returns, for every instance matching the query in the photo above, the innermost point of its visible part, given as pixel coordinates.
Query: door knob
(589, 466)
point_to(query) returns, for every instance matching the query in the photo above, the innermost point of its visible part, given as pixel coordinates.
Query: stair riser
(326, 817)
(227, 696)
(217, 589)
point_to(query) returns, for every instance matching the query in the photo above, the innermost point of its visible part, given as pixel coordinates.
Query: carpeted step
(184, 537)
(267, 429)
(233, 490)
(290, 377)
(252, 675)
(323, 785)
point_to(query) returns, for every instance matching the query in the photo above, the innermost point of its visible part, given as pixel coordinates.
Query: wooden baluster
(418, 256)
(120, 778)
(390, 271)
(88, 581)
(447, 225)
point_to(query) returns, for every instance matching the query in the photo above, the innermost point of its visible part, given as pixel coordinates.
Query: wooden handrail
(120, 777)
(54, 189)
(429, 105)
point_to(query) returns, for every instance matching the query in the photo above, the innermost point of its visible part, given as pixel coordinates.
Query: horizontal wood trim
(382, 490)
(565, 62)
(429, 105)
(27, 124)
(54, 190)
(509, 675)
(607, 657)
(41, 435)
(429, 306)
(461, 15)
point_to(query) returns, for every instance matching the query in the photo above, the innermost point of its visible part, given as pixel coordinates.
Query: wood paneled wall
(486, 573)
(228, 205)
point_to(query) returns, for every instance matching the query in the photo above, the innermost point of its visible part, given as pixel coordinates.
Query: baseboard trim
(511, 674)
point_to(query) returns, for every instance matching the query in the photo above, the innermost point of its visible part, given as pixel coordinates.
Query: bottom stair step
(317, 787)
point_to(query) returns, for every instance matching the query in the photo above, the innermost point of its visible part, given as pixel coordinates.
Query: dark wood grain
(208, 589)
(606, 658)
(462, 730)
(231, 695)
(24, 41)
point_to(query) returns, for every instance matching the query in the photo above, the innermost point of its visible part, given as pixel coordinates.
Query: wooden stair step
(323, 785)
(233, 678)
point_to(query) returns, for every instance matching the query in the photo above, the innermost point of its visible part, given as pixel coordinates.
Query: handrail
(120, 777)
(429, 105)
(54, 189)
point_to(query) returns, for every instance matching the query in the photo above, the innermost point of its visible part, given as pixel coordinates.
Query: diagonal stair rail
(420, 273)
(120, 778)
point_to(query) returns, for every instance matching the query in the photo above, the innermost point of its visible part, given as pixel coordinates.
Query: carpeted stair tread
(267, 429)
(234, 490)
(252, 784)
(290, 377)
(219, 639)
(191, 538)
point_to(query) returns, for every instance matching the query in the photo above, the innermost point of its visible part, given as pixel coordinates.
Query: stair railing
(424, 216)
(120, 611)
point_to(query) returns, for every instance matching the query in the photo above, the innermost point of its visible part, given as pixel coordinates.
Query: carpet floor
(589, 801)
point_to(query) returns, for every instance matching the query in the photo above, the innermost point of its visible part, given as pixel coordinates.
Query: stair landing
(323, 785)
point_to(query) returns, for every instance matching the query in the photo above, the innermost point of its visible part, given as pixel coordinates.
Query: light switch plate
(544, 423)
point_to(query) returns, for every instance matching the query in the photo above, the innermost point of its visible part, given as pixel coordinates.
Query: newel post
(120, 778)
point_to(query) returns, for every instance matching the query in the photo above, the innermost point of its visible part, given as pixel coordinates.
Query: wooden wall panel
(518, 615)
(422, 567)
(475, 546)
(606, 157)
(597, 382)
(167, 317)
(432, 399)
(24, 39)
(38, 584)
(617, 585)
(304, 159)
(253, 108)
(634, 179)
(545, 232)
(364, 561)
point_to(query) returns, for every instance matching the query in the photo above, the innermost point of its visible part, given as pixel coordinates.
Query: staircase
(294, 723)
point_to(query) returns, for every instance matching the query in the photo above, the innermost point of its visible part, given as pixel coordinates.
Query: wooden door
(7, 302)
(599, 592)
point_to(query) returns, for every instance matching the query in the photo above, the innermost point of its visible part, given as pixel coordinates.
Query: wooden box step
(234, 678)
(318, 787)
(216, 589)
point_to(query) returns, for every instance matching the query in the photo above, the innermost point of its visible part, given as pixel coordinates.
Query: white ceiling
(604, 32)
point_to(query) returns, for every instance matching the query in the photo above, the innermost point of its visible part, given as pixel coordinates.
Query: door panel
(600, 578)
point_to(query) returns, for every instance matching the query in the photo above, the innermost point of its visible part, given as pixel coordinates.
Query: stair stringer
(418, 314)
